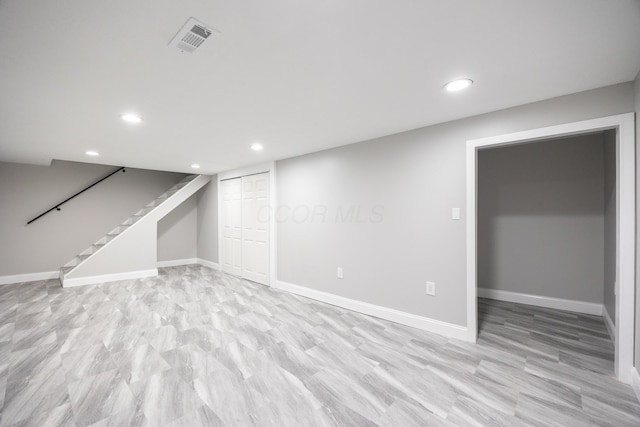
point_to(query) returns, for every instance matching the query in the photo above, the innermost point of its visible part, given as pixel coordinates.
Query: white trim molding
(611, 327)
(208, 263)
(635, 382)
(541, 301)
(624, 124)
(92, 280)
(177, 262)
(426, 324)
(28, 277)
(273, 235)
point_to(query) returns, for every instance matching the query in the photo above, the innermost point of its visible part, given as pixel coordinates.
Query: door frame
(624, 124)
(269, 167)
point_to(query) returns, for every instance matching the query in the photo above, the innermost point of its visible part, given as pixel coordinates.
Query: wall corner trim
(28, 277)
(92, 280)
(611, 327)
(541, 301)
(208, 263)
(424, 323)
(177, 262)
(635, 382)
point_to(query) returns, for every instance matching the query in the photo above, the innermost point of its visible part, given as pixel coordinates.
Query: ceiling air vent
(192, 35)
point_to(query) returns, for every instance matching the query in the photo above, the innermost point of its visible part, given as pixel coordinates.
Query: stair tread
(78, 259)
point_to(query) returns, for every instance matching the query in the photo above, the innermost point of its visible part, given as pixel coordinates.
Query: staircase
(130, 249)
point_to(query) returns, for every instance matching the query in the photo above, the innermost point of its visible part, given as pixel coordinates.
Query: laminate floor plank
(196, 347)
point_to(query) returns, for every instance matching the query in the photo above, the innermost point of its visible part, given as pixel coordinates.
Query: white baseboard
(177, 262)
(29, 277)
(48, 275)
(540, 301)
(92, 280)
(431, 325)
(208, 263)
(611, 327)
(635, 382)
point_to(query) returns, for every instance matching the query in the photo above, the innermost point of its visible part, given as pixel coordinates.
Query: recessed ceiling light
(131, 118)
(195, 166)
(91, 153)
(457, 85)
(256, 146)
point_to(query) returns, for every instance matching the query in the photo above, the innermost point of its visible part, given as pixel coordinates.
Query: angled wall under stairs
(129, 250)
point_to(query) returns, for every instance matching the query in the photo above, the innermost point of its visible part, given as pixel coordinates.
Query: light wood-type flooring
(195, 347)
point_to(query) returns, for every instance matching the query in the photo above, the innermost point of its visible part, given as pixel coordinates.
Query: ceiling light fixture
(131, 118)
(457, 85)
(256, 146)
(195, 166)
(91, 153)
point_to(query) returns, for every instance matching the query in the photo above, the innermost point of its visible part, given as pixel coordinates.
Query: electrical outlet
(340, 273)
(431, 288)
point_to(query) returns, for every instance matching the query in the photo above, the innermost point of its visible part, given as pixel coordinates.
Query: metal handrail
(57, 207)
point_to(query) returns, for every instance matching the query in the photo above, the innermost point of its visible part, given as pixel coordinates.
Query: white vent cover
(192, 35)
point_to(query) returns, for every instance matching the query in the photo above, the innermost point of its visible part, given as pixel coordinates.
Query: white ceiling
(300, 76)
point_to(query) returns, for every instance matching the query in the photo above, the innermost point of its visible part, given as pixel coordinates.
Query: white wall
(412, 179)
(610, 223)
(541, 218)
(51, 241)
(207, 222)
(178, 232)
(135, 254)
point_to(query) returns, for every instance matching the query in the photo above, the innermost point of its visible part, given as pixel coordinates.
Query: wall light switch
(340, 273)
(455, 214)
(431, 288)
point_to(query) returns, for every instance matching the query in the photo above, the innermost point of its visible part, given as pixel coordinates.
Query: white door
(255, 228)
(232, 226)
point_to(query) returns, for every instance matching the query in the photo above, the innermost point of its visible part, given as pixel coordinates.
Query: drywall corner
(207, 222)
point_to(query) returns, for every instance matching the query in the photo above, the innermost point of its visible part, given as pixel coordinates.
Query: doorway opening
(621, 128)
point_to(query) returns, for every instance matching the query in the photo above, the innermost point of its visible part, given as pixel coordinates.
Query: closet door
(232, 226)
(255, 228)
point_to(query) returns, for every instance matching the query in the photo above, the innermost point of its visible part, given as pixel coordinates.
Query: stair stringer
(133, 252)
(131, 255)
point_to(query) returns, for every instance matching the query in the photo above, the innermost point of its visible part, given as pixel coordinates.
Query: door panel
(255, 228)
(232, 226)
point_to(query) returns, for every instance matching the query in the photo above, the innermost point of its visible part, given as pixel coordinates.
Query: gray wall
(610, 221)
(47, 244)
(540, 218)
(178, 232)
(413, 179)
(208, 222)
